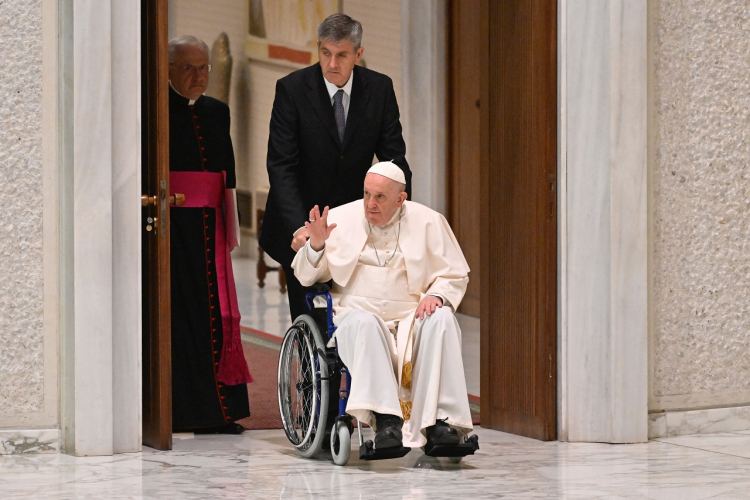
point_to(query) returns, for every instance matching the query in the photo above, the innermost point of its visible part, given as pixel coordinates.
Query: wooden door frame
(157, 335)
(458, 168)
(545, 370)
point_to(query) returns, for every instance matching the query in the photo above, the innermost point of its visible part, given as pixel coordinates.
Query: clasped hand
(318, 228)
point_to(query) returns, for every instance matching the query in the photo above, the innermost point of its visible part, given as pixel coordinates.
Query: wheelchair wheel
(341, 443)
(303, 386)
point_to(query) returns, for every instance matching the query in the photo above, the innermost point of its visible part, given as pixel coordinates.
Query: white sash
(389, 284)
(373, 282)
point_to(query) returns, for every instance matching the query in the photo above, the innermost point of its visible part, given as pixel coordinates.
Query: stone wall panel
(21, 283)
(701, 194)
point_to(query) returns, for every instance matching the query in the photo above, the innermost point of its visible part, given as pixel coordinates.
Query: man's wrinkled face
(337, 60)
(383, 197)
(189, 71)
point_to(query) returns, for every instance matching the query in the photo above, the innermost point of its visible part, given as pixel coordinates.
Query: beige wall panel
(22, 361)
(263, 78)
(381, 23)
(700, 342)
(207, 20)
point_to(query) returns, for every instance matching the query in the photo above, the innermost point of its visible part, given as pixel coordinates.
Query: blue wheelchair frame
(367, 450)
(330, 329)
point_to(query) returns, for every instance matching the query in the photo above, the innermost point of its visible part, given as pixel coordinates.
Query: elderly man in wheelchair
(396, 271)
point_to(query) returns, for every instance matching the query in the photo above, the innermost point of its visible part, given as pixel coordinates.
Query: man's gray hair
(339, 27)
(183, 40)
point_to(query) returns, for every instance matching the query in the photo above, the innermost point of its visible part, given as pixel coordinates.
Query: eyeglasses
(189, 68)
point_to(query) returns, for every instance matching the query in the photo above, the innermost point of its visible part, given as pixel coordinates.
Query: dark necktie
(338, 113)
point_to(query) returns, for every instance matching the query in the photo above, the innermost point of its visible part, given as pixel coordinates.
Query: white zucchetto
(388, 169)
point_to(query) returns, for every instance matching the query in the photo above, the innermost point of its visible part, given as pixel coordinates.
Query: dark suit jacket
(307, 163)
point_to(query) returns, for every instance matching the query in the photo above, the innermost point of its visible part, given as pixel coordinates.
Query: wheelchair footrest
(468, 447)
(368, 452)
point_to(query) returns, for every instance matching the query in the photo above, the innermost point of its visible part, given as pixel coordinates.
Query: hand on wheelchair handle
(318, 228)
(300, 238)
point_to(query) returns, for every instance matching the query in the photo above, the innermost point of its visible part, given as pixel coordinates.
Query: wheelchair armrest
(322, 287)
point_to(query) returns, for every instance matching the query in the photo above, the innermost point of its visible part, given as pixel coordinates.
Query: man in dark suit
(328, 122)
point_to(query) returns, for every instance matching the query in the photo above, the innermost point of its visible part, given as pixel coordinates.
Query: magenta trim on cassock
(207, 189)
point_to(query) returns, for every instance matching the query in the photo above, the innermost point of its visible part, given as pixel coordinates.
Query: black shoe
(389, 431)
(233, 428)
(442, 433)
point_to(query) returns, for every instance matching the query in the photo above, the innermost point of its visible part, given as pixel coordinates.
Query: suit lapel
(321, 103)
(357, 105)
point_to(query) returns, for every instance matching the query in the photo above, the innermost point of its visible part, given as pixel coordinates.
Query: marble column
(423, 111)
(126, 228)
(100, 218)
(603, 357)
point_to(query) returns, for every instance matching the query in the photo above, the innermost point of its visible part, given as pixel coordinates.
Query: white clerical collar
(347, 88)
(190, 101)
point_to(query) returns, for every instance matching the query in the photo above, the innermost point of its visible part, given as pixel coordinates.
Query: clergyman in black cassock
(209, 372)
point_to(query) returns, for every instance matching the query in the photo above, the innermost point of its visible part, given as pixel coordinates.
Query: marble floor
(267, 309)
(262, 464)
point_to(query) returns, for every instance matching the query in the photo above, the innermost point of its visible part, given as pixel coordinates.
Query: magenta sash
(206, 189)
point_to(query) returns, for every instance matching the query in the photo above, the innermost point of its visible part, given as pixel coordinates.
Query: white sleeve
(313, 256)
(310, 267)
(446, 302)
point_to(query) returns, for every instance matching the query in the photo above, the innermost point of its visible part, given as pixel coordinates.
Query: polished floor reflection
(262, 464)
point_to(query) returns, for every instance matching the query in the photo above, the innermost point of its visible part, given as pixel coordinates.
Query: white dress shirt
(347, 88)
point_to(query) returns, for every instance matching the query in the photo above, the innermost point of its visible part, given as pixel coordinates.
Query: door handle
(178, 199)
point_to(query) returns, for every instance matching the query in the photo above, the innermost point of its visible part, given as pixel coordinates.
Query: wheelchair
(310, 374)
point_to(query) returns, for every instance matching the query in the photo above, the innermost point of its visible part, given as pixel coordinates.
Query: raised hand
(318, 228)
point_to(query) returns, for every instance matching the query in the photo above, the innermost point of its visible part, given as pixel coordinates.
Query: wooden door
(157, 335)
(464, 69)
(518, 216)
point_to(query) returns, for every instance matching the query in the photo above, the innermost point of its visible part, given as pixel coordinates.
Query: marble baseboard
(682, 423)
(17, 442)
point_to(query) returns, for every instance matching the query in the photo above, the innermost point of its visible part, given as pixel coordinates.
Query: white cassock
(399, 365)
